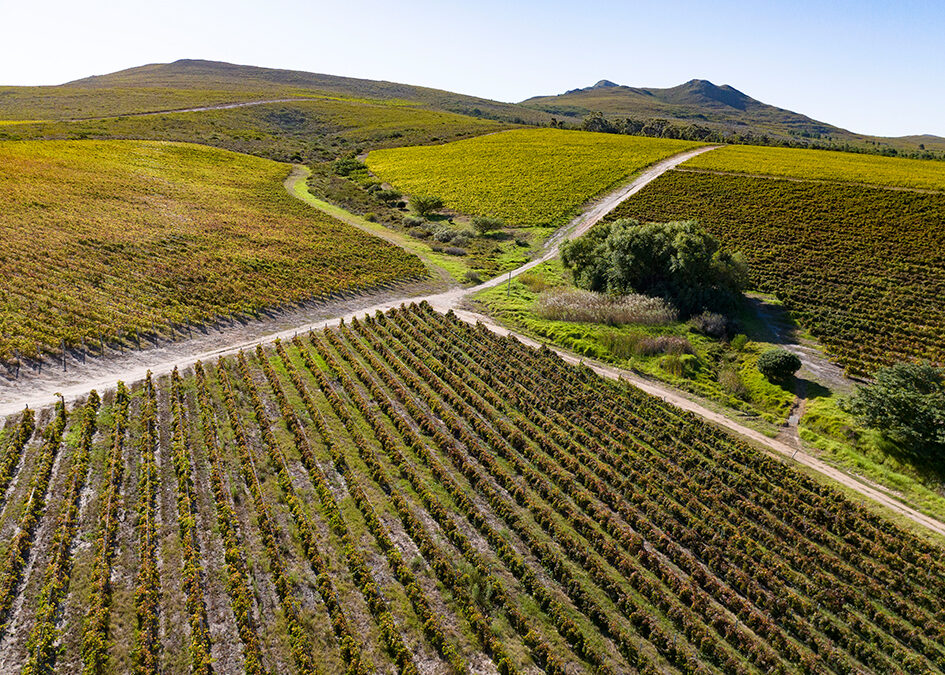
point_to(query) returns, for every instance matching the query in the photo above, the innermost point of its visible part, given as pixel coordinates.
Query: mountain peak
(604, 84)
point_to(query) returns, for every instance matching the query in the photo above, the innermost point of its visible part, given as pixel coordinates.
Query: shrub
(585, 306)
(444, 235)
(425, 205)
(712, 324)
(370, 217)
(522, 242)
(460, 239)
(486, 224)
(454, 250)
(732, 384)
(419, 232)
(347, 166)
(739, 342)
(414, 221)
(472, 277)
(388, 196)
(907, 403)
(778, 364)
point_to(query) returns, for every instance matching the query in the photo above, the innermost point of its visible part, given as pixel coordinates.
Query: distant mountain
(696, 101)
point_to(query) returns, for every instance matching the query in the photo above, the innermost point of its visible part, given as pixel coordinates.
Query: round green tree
(778, 364)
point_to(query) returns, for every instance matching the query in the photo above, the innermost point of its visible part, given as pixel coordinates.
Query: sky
(871, 67)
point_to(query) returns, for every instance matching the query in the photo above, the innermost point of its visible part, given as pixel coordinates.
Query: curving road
(184, 353)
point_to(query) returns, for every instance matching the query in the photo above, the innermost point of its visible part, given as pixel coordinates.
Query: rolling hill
(190, 83)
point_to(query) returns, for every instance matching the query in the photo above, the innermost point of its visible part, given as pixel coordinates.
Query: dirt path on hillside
(40, 392)
(221, 106)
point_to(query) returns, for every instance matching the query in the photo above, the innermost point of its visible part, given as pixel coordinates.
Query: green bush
(486, 224)
(388, 196)
(739, 342)
(425, 205)
(778, 364)
(348, 166)
(907, 403)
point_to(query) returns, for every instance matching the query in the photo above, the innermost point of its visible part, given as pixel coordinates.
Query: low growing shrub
(586, 306)
(712, 324)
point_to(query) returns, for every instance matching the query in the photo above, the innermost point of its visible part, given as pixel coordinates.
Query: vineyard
(862, 269)
(410, 494)
(820, 165)
(534, 177)
(103, 241)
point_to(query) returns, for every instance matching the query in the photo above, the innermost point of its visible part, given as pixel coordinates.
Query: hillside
(143, 236)
(702, 102)
(407, 494)
(190, 83)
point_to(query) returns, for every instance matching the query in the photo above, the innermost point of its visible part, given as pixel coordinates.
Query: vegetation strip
(234, 556)
(147, 593)
(200, 660)
(95, 627)
(19, 547)
(41, 644)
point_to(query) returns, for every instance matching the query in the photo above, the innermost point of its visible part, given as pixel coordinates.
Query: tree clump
(678, 261)
(425, 205)
(907, 403)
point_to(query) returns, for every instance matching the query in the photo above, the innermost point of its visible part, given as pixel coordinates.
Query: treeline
(658, 127)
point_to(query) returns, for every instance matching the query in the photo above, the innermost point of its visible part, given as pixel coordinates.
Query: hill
(704, 103)
(190, 83)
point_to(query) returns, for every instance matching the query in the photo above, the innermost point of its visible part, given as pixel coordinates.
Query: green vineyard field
(532, 177)
(410, 494)
(820, 165)
(862, 269)
(103, 239)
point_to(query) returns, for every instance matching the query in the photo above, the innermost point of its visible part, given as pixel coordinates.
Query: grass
(530, 178)
(860, 268)
(108, 238)
(649, 349)
(820, 165)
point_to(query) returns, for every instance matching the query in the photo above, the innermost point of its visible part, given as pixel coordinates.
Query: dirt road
(185, 353)
(219, 106)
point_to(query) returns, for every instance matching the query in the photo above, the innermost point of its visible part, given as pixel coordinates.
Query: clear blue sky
(873, 67)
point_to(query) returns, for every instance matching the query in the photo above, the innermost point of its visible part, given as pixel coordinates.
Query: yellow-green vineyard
(411, 494)
(529, 177)
(100, 241)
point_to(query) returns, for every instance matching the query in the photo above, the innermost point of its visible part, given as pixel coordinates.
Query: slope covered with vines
(408, 493)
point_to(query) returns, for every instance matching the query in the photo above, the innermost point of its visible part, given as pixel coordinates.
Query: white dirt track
(185, 353)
